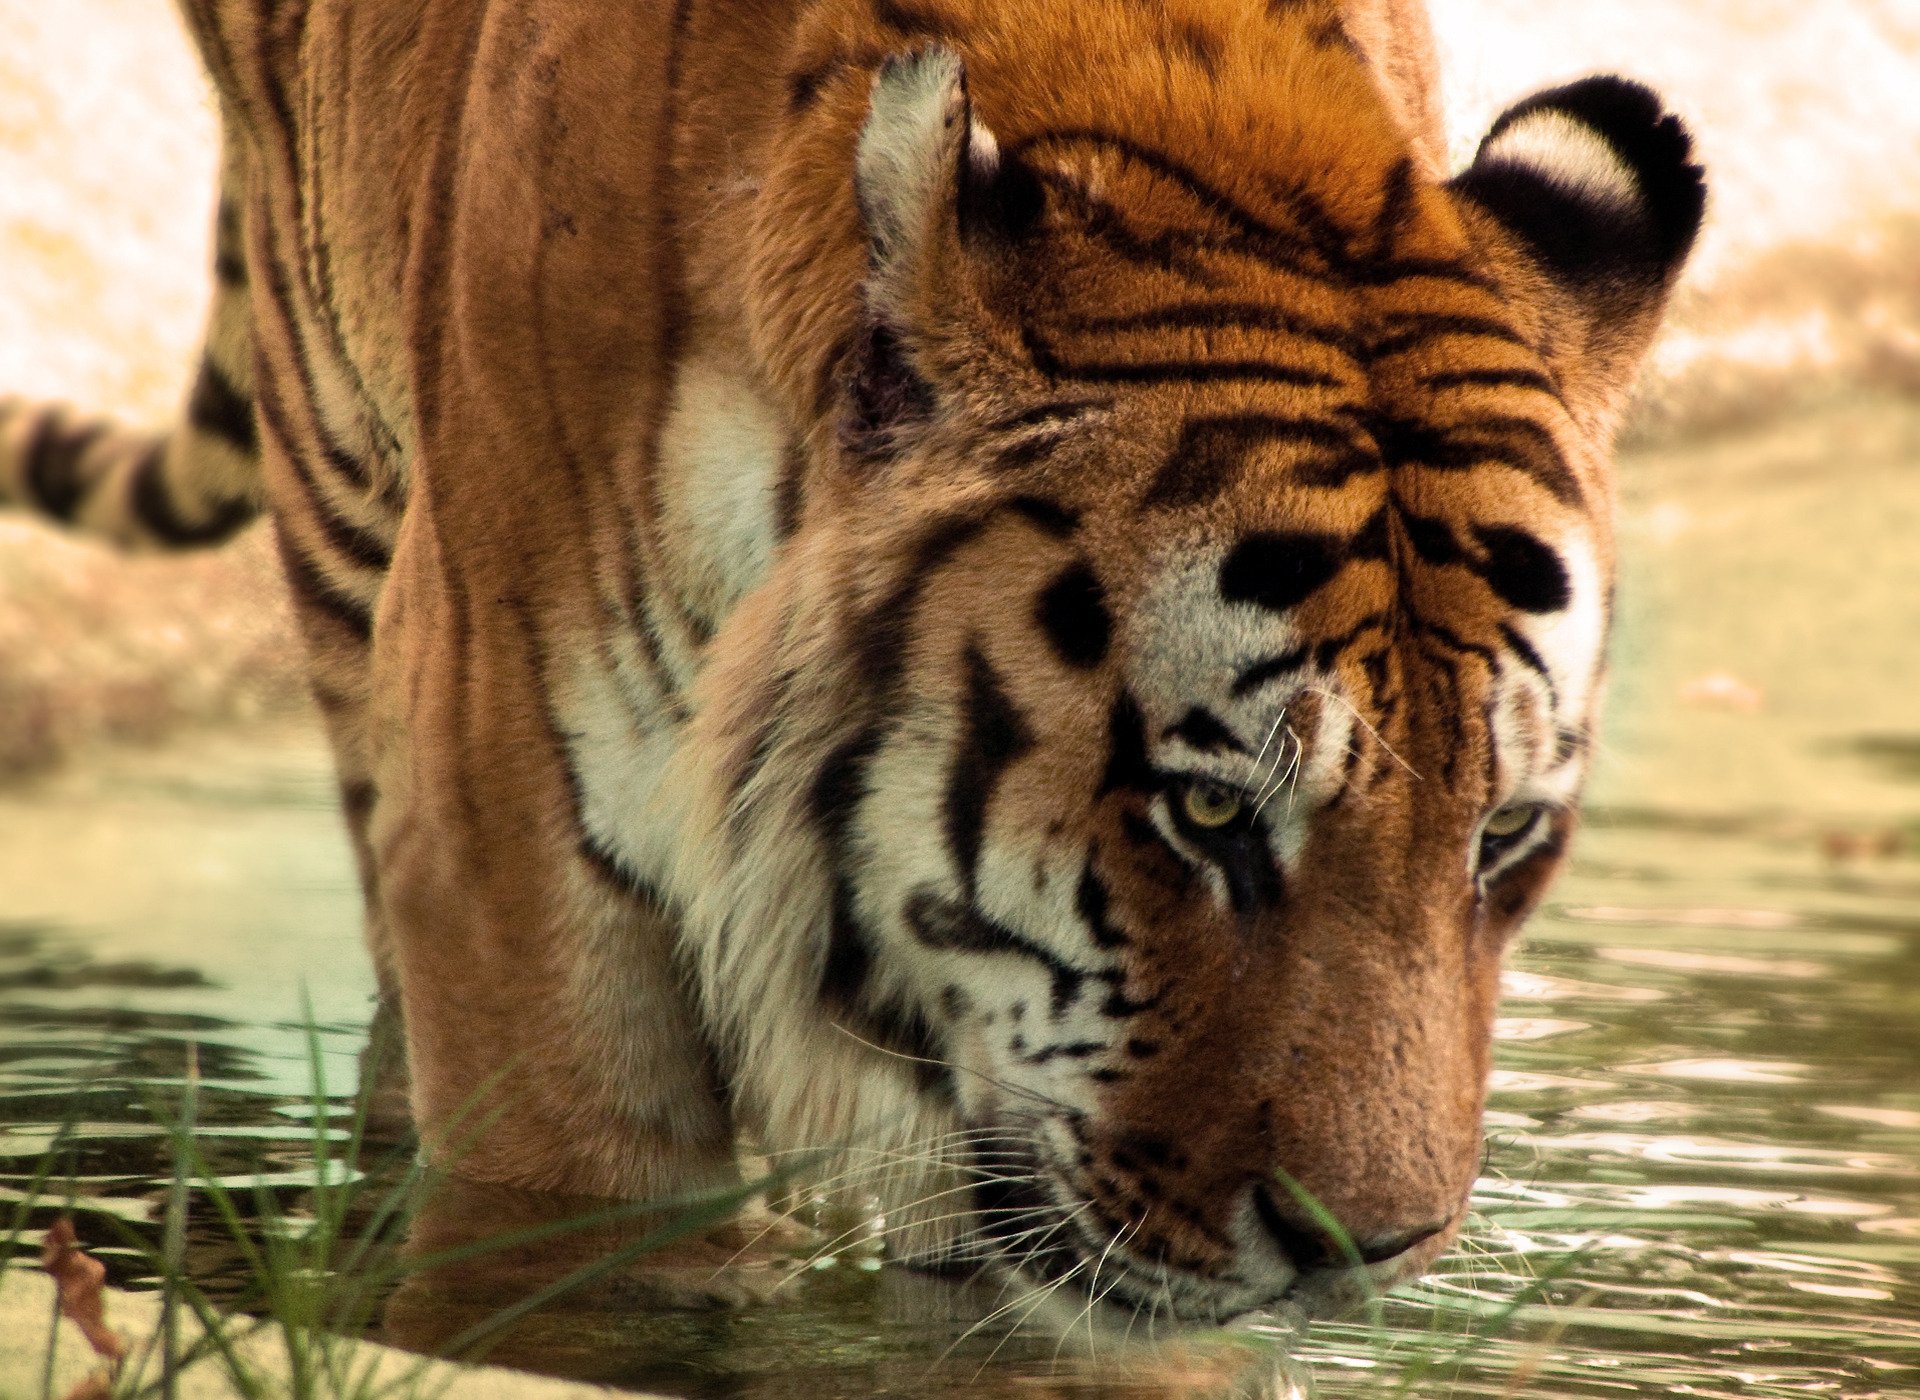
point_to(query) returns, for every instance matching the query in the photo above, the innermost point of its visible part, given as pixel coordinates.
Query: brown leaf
(80, 1280)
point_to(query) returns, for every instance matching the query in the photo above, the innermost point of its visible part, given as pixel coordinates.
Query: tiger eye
(1210, 804)
(1510, 821)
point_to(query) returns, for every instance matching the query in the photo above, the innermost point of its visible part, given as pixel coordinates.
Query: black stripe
(1418, 328)
(848, 964)
(1048, 362)
(358, 545)
(993, 736)
(1212, 454)
(1121, 1006)
(356, 801)
(645, 629)
(803, 85)
(1066, 1050)
(1533, 452)
(1256, 236)
(1202, 729)
(153, 506)
(1406, 442)
(1524, 570)
(845, 986)
(279, 295)
(914, 20)
(1491, 378)
(949, 926)
(50, 460)
(229, 244)
(879, 637)
(1128, 768)
(1328, 650)
(1396, 208)
(217, 408)
(1530, 658)
(1172, 251)
(319, 594)
(1270, 668)
(1090, 900)
(766, 733)
(1072, 612)
(1048, 516)
(1052, 413)
(1219, 316)
(1279, 570)
(1454, 642)
(608, 865)
(788, 488)
(840, 785)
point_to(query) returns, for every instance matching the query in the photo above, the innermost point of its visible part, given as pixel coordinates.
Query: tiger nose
(1309, 1245)
(1377, 1249)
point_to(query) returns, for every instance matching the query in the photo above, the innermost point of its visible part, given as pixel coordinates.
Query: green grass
(315, 1279)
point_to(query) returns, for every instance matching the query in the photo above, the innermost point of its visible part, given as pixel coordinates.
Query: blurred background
(1705, 1123)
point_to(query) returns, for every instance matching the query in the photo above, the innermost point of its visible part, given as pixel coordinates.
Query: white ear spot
(1561, 148)
(911, 144)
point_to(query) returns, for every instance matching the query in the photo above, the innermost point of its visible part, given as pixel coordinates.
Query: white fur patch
(908, 146)
(1191, 646)
(720, 455)
(1572, 643)
(620, 752)
(1562, 148)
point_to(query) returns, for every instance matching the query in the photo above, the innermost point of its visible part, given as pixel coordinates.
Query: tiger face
(1190, 685)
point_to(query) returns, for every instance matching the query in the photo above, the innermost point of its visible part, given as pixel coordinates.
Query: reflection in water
(1702, 1171)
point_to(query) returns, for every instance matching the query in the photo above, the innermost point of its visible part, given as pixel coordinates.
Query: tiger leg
(551, 1041)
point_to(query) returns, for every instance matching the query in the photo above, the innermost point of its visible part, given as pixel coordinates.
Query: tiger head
(1181, 683)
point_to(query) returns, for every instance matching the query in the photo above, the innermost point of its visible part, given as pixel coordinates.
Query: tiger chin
(1017, 592)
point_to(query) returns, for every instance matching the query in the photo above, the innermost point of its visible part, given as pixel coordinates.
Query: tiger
(1017, 591)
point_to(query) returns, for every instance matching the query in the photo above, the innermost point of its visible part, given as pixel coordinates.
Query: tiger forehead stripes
(1014, 589)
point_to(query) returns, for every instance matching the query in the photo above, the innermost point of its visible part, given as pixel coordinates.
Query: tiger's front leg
(550, 1042)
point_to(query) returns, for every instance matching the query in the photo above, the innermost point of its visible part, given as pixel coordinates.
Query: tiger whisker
(1253, 768)
(1094, 1295)
(1362, 721)
(976, 1167)
(1288, 779)
(1040, 1300)
(1013, 1277)
(828, 1249)
(1017, 1090)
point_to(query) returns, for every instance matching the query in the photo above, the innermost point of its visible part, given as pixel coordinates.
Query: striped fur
(1018, 590)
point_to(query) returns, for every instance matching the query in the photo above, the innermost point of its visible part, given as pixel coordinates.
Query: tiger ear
(932, 186)
(1597, 183)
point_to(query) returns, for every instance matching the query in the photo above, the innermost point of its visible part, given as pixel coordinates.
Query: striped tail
(193, 485)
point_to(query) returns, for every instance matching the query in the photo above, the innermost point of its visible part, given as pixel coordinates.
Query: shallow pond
(1703, 1173)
